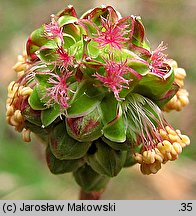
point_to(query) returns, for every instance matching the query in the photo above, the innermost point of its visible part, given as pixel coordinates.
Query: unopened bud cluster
(167, 150)
(17, 94)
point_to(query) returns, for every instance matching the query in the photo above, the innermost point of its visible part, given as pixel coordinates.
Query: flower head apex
(158, 59)
(112, 34)
(114, 76)
(53, 30)
(58, 93)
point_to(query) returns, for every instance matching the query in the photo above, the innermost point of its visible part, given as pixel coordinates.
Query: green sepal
(64, 20)
(89, 180)
(116, 145)
(72, 30)
(42, 79)
(33, 116)
(139, 31)
(98, 12)
(69, 40)
(168, 95)
(38, 38)
(93, 50)
(138, 66)
(50, 114)
(86, 128)
(47, 55)
(108, 102)
(88, 27)
(86, 98)
(64, 147)
(35, 41)
(105, 160)
(35, 100)
(77, 50)
(57, 166)
(153, 86)
(116, 129)
(130, 161)
(40, 132)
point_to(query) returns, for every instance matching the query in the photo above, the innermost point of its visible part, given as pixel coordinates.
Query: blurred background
(23, 170)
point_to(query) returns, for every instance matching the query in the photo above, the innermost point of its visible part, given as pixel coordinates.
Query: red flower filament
(112, 34)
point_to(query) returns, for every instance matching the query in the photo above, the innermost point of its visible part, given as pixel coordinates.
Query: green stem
(90, 195)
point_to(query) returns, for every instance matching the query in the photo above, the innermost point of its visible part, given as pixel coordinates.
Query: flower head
(112, 34)
(58, 93)
(53, 30)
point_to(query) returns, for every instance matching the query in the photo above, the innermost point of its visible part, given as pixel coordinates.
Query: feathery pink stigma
(158, 59)
(112, 34)
(53, 30)
(114, 76)
(63, 58)
(58, 93)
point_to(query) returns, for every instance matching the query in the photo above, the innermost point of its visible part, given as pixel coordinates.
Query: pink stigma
(113, 34)
(53, 30)
(114, 76)
(63, 58)
(58, 93)
(157, 60)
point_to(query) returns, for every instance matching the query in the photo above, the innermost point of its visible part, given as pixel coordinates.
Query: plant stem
(90, 195)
